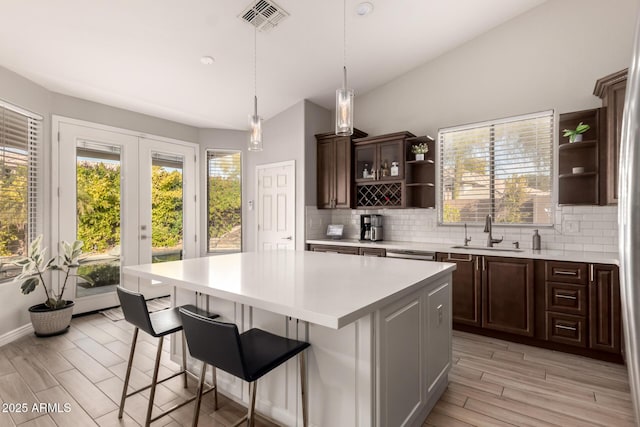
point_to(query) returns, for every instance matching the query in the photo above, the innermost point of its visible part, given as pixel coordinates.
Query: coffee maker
(365, 227)
(376, 228)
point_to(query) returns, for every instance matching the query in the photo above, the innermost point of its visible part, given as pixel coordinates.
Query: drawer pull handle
(566, 273)
(566, 296)
(450, 258)
(569, 328)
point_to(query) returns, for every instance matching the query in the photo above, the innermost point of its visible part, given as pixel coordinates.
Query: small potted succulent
(54, 315)
(575, 135)
(420, 150)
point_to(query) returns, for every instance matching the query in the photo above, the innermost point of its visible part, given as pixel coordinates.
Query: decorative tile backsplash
(577, 228)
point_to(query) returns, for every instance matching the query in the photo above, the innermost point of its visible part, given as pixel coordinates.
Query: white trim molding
(20, 332)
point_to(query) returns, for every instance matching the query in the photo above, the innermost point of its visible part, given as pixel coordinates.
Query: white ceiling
(144, 55)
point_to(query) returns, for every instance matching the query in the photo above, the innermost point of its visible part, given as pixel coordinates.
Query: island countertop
(327, 289)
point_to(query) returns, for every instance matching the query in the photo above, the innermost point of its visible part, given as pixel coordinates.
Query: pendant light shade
(255, 128)
(344, 109)
(344, 95)
(255, 121)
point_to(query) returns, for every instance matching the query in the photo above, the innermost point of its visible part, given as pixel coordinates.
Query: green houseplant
(575, 135)
(54, 315)
(420, 150)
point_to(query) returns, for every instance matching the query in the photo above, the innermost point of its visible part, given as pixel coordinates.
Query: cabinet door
(389, 152)
(507, 295)
(365, 158)
(604, 308)
(342, 173)
(466, 288)
(615, 107)
(325, 175)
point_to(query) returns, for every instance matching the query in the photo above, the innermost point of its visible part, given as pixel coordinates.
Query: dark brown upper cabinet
(420, 175)
(335, 170)
(612, 90)
(582, 177)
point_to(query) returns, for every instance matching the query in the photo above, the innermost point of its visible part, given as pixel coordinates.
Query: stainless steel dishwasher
(408, 254)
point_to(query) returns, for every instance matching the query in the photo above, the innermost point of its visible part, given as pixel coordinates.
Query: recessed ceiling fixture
(364, 8)
(255, 121)
(263, 14)
(207, 60)
(344, 96)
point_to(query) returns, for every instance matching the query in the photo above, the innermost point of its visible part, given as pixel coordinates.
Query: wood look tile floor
(492, 383)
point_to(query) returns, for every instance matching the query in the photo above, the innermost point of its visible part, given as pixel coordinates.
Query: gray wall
(547, 58)
(21, 92)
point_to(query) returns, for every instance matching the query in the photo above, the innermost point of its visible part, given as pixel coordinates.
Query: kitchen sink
(485, 248)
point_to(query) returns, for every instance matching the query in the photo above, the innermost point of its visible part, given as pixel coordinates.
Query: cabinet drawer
(566, 298)
(348, 250)
(567, 329)
(377, 252)
(566, 272)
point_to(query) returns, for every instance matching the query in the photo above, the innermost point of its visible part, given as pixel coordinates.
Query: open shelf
(420, 161)
(421, 184)
(577, 175)
(577, 145)
(420, 175)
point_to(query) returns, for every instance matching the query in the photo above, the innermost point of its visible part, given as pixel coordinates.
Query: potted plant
(420, 150)
(575, 135)
(54, 315)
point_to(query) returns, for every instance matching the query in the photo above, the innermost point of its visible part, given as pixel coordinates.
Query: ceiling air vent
(263, 14)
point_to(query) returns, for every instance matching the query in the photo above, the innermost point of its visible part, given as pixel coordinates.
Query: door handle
(143, 236)
(287, 238)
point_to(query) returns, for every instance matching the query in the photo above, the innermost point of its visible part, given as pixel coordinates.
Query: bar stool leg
(128, 375)
(251, 415)
(303, 392)
(154, 382)
(196, 413)
(184, 358)
(214, 382)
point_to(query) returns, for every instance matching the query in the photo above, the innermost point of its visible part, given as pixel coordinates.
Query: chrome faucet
(487, 229)
(466, 239)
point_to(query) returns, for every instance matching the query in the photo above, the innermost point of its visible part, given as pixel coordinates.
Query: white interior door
(132, 201)
(276, 206)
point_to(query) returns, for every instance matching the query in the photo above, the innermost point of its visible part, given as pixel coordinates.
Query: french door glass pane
(166, 207)
(98, 216)
(224, 202)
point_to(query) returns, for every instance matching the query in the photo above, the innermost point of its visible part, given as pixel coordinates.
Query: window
(224, 202)
(502, 168)
(19, 134)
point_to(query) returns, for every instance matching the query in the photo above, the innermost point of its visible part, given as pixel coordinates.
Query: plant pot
(420, 156)
(49, 321)
(576, 138)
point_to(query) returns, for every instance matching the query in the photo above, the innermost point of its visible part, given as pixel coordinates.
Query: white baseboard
(15, 334)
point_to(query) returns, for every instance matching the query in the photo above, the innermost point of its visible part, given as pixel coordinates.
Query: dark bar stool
(248, 356)
(158, 325)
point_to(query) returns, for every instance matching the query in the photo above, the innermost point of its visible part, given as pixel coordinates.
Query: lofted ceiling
(144, 55)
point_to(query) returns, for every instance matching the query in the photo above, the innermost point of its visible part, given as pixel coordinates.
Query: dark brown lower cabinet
(349, 250)
(508, 295)
(604, 308)
(566, 329)
(465, 288)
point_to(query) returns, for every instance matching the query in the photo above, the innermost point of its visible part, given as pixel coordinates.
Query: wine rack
(380, 195)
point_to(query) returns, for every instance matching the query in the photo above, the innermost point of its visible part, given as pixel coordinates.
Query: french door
(131, 200)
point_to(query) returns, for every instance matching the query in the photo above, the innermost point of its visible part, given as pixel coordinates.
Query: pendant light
(344, 96)
(255, 121)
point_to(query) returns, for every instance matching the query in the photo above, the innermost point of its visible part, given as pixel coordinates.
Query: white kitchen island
(380, 329)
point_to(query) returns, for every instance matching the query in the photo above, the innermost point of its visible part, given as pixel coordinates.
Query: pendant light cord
(344, 34)
(255, 71)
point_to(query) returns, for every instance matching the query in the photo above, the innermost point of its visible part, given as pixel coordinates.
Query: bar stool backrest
(215, 343)
(134, 308)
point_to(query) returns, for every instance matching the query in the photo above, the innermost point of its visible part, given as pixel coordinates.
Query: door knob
(287, 238)
(143, 236)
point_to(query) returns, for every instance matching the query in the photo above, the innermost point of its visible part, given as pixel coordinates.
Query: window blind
(19, 185)
(502, 168)
(224, 201)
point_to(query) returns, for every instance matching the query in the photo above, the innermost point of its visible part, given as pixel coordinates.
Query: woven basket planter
(48, 322)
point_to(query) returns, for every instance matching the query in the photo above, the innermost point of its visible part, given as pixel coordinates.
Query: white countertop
(331, 290)
(547, 254)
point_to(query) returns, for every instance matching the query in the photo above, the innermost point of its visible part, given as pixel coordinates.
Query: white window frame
(553, 168)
